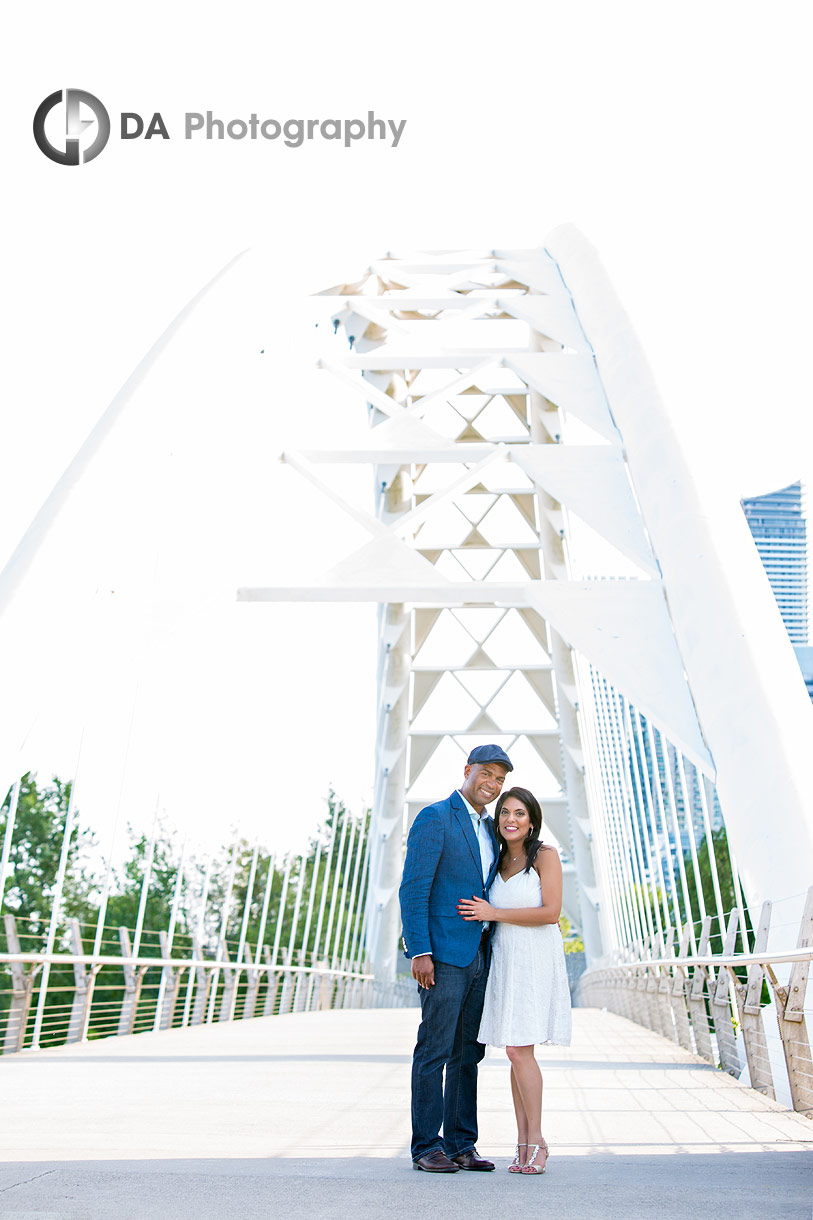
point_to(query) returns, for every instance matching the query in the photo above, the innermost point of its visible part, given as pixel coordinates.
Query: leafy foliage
(572, 940)
(35, 852)
(34, 863)
(339, 841)
(725, 876)
(321, 906)
(125, 897)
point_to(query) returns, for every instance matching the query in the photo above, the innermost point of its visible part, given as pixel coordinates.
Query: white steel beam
(571, 382)
(439, 592)
(592, 481)
(752, 704)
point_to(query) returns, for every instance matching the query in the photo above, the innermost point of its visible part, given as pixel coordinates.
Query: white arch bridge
(549, 576)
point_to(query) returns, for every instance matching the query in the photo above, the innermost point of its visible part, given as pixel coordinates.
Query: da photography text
(72, 127)
(292, 132)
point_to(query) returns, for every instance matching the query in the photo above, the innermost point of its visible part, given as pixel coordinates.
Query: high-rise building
(633, 790)
(780, 532)
(804, 655)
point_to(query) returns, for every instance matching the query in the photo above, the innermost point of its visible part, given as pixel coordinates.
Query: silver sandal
(531, 1166)
(515, 1166)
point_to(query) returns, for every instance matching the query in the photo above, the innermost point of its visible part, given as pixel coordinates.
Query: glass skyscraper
(641, 775)
(780, 532)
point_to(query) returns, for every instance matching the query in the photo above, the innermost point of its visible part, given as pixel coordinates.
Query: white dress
(527, 996)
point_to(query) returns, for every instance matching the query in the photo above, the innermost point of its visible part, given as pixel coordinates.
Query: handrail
(168, 991)
(699, 1001)
(780, 958)
(177, 963)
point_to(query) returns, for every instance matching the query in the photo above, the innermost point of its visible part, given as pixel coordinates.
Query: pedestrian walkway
(308, 1116)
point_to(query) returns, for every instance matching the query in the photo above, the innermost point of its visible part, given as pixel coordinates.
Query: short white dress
(527, 996)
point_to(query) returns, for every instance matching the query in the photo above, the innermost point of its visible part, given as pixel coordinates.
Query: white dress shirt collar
(470, 807)
(484, 840)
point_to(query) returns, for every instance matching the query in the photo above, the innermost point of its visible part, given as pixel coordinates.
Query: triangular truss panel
(493, 434)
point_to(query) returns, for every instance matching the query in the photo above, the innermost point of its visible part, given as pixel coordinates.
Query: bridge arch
(528, 482)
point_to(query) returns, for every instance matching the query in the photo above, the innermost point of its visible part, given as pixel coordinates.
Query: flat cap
(488, 754)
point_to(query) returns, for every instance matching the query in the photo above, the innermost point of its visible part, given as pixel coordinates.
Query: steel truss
(514, 428)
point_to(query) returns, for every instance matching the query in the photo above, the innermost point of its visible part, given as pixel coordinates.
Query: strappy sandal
(515, 1166)
(531, 1166)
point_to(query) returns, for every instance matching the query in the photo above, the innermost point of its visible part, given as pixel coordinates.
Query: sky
(673, 136)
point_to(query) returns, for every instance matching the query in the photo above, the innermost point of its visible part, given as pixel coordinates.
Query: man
(451, 854)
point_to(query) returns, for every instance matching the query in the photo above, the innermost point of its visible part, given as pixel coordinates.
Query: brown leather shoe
(470, 1160)
(436, 1162)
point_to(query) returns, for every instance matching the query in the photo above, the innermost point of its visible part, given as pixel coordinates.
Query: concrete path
(307, 1116)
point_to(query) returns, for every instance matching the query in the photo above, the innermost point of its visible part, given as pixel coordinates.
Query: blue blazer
(442, 866)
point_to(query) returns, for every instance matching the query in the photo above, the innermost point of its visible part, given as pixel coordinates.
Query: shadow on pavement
(598, 1186)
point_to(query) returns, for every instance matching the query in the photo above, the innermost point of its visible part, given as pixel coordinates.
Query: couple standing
(480, 903)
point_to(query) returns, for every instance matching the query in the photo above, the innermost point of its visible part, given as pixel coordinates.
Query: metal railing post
(83, 992)
(22, 986)
(221, 944)
(203, 981)
(252, 986)
(272, 980)
(133, 979)
(748, 997)
(697, 997)
(229, 970)
(680, 1009)
(791, 1017)
(170, 982)
(721, 1006)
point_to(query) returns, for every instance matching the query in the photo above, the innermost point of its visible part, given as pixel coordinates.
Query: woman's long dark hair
(532, 841)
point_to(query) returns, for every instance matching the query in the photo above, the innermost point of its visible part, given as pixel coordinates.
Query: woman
(527, 998)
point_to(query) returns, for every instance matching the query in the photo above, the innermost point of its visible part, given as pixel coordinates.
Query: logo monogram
(75, 126)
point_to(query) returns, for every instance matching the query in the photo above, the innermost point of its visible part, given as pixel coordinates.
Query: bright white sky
(674, 136)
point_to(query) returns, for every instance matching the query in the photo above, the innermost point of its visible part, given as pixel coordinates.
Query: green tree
(345, 826)
(350, 865)
(36, 847)
(125, 891)
(725, 875)
(35, 852)
(35, 855)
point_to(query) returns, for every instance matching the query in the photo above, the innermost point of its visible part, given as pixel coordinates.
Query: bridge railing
(114, 993)
(719, 1004)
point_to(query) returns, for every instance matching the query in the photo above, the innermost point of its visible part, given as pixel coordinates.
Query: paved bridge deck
(307, 1115)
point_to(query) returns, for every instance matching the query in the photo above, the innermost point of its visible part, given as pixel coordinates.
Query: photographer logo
(80, 143)
(72, 127)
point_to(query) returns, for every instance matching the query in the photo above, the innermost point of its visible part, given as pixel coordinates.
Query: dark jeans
(447, 1036)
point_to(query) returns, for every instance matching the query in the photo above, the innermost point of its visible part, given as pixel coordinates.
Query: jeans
(447, 1037)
